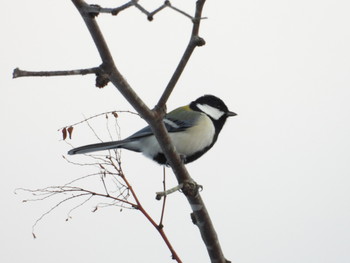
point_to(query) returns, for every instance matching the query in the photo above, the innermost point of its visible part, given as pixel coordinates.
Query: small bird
(193, 129)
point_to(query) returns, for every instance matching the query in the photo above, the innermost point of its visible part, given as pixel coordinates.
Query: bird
(193, 130)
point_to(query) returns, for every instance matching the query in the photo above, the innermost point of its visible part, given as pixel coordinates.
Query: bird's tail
(96, 147)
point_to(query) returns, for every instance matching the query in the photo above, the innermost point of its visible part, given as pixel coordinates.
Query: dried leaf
(115, 114)
(64, 133)
(70, 131)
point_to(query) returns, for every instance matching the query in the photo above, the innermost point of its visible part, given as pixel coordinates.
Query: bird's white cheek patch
(211, 111)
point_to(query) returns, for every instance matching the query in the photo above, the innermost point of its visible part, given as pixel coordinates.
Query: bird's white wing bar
(171, 123)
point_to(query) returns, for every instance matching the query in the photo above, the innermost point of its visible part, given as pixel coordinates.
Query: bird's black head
(214, 108)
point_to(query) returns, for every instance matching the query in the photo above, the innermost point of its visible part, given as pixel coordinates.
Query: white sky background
(276, 184)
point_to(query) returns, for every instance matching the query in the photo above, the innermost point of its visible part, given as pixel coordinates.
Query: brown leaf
(70, 131)
(115, 114)
(64, 133)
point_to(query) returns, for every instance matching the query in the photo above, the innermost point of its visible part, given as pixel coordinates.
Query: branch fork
(108, 72)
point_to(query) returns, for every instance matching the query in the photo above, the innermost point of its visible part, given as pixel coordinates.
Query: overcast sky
(277, 182)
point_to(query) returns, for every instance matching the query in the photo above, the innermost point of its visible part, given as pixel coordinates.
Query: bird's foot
(191, 188)
(183, 158)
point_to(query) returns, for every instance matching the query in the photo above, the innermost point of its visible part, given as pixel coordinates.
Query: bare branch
(178, 10)
(79, 205)
(154, 119)
(151, 14)
(113, 161)
(195, 41)
(150, 219)
(53, 208)
(164, 200)
(17, 73)
(108, 65)
(96, 9)
(116, 11)
(100, 114)
(109, 72)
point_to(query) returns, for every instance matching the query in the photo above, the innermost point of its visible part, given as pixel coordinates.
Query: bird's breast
(195, 138)
(186, 142)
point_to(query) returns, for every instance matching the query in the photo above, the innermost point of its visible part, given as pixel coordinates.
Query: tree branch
(17, 73)
(195, 41)
(155, 120)
(144, 212)
(200, 215)
(150, 219)
(108, 71)
(108, 65)
(96, 9)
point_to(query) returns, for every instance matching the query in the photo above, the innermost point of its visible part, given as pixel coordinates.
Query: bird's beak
(230, 114)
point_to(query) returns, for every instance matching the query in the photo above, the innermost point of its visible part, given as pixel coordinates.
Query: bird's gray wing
(184, 119)
(170, 125)
(175, 121)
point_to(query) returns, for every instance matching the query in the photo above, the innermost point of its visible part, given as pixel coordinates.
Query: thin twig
(151, 14)
(150, 219)
(164, 200)
(77, 206)
(145, 213)
(195, 41)
(98, 115)
(96, 9)
(104, 185)
(116, 11)
(141, 8)
(23, 73)
(180, 11)
(53, 208)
